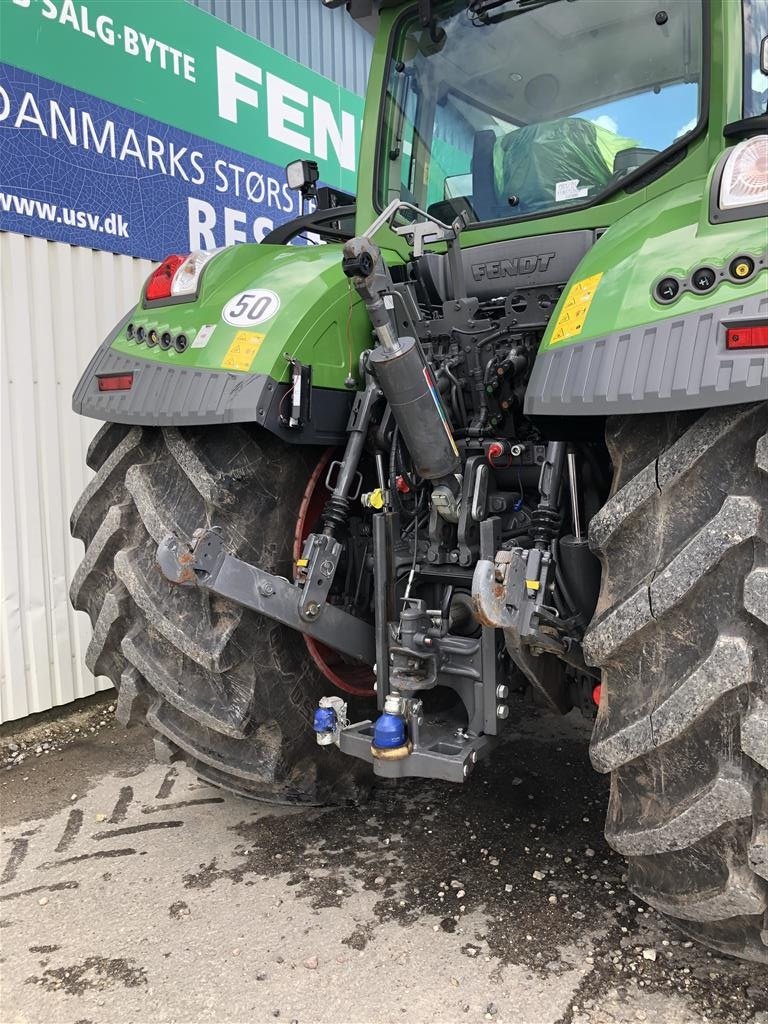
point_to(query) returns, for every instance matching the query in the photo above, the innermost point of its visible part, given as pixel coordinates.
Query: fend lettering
(293, 117)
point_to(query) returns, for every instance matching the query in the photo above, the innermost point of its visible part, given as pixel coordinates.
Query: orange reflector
(596, 694)
(115, 382)
(753, 336)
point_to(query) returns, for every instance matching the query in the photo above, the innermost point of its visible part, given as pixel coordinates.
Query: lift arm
(206, 564)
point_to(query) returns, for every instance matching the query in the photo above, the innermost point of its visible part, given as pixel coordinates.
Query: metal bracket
(208, 565)
(321, 555)
(441, 752)
(473, 503)
(502, 600)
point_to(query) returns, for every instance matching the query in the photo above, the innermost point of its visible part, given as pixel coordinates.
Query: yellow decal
(242, 351)
(574, 312)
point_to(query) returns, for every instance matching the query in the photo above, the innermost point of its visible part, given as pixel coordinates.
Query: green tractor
(505, 432)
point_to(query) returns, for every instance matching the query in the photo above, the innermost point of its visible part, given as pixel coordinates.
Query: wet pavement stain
(474, 897)
(179, 910)
(95, 972)
(520, 847)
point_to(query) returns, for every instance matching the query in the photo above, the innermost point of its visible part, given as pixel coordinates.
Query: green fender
(614, 345)
(238, 372)
(316, 304)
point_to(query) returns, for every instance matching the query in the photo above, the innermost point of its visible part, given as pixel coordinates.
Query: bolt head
(502, 711)
(474, 757)
(466, 770)
(502, 692)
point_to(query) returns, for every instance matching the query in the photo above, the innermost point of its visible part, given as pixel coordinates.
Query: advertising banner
(147, 128)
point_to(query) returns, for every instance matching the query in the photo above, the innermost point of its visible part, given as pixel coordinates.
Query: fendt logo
(512, 268)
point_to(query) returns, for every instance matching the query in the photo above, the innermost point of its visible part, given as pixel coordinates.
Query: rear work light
(749, 336)
(745, 175)
(115, 382)
(187, 277)
(177, 275)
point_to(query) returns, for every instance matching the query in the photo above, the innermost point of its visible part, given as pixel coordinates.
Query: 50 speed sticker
(246, 309)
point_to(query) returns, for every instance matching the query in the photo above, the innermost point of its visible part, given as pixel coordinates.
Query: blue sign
(80, 170)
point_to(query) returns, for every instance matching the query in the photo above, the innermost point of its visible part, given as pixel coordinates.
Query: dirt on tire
(229, 691)
(681, 634)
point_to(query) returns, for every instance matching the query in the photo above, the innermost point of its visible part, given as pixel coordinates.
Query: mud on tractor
(505, 433)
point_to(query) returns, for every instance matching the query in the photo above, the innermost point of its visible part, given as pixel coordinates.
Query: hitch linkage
(207, 564)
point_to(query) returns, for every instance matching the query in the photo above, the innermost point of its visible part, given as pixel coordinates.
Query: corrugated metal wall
(58, 302)
(328, 41)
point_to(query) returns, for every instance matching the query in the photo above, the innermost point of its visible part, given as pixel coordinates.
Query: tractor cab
(527, 115)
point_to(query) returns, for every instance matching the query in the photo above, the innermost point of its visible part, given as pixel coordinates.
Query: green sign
(171, 62)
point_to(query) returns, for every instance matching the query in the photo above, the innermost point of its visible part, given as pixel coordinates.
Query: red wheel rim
(356, 680)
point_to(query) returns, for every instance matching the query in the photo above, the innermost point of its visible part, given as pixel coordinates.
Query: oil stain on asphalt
(498, 900)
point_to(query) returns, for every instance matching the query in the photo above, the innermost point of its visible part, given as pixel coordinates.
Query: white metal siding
(58, 302)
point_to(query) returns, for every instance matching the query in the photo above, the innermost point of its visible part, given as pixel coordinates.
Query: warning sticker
(203, 336)
(574, 312)
(242, 351)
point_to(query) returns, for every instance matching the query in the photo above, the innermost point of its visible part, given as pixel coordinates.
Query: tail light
(745, 174)
(749, 336)
(115, 382)
(159, 283)
(178, 275)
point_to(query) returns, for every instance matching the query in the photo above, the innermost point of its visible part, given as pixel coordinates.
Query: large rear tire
(231, 692)
(681, 634)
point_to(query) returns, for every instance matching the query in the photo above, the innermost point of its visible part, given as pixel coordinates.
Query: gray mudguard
(166, 395)
(671, 365)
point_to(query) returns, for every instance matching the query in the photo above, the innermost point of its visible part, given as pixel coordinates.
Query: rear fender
(614, 345)
(236, 364)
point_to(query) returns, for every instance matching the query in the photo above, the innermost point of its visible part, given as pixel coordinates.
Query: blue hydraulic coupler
(325, 720)
(389, 732)
(330, 718)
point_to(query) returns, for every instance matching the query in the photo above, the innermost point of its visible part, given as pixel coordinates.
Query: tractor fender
(257, 308)
(617, 344)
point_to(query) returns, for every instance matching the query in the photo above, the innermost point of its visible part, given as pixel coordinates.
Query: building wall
(58, 302)
(328, 41)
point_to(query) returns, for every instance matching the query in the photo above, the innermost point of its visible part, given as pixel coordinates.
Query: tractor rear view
(506, 430)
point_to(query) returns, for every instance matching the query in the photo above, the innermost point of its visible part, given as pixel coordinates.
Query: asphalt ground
(131, 892)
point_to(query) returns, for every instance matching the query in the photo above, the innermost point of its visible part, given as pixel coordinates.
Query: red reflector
(596, 694)
(116, 382)
(159, 284)
(754, 336)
